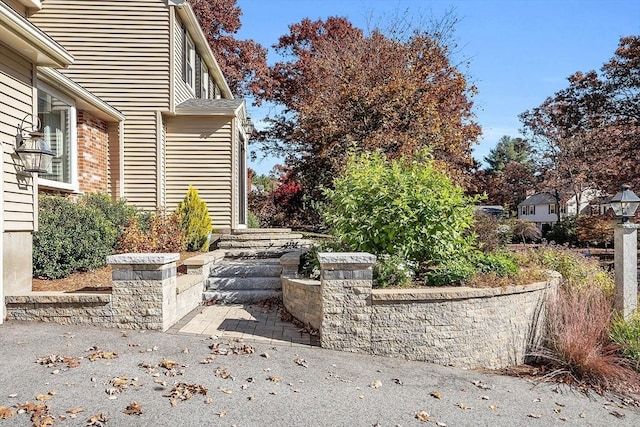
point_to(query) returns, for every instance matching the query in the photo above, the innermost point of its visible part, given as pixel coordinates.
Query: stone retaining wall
(460, 326)
(146, 294)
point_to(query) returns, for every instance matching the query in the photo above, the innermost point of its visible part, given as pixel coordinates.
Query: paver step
(263, 244)
(261, 236)
(243, 283)
(262, 231)
(241, 297)
(259, 253)
(246, 269)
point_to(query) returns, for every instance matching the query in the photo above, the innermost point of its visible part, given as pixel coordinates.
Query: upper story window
(552, 208)
(524, 210)
(204, 79)
(57, 116)
(189, 59)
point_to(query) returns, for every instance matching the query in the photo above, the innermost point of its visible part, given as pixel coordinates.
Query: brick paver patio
(251, 322)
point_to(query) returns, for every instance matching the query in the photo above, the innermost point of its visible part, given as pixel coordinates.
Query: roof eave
(20, 34)
(88, 100)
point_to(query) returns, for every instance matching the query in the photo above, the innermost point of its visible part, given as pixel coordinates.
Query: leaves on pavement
(232, 347)
(6, 413)
(99, 354)
(184, 391)
(54, 360)
(301, 362)
(423, 416)
(98, 420)
(134, 408)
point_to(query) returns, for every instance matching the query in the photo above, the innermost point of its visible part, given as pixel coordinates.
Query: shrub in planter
(195, 220)
(71, 237)
(153, 232)
(115, 211)
(405, 207)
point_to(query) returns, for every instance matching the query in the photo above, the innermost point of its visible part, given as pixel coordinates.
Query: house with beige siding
(150, 60)
(74, 121)
(130, 100)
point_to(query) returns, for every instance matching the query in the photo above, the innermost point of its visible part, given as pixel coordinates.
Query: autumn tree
(589, 133)
(341, 90)
(243, 62)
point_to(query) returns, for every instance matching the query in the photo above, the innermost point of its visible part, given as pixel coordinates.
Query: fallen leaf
(186, 351)
(274, 379)
(102, 355)
(222, 414)
(397, 381)
(562, 419)
(12, 395)
(226, 390)
(463, 406)
(223, 373)
(423, 416)
(582, 415)
(6, 413)
(208, 400)
(618, 414)
(98, 420)
(42, 421)
(301, 362)
(493, 407)
(436, 394)
(134, 408)
(75, 410)
(481, 385)
(168, 364)
(265, 355)
(534, 415)
(43, 397)
(441, 424)
(376, 384)
(273, 393)
(250, 398)
(185, 391)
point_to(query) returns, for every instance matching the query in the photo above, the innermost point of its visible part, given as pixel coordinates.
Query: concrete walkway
(250, 322)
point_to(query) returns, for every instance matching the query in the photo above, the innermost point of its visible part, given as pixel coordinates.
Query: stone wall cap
(205, 258)
(143, 258)
(346, 258)
(452, 292)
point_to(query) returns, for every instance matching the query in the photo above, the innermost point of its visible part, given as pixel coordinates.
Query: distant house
(544, 209)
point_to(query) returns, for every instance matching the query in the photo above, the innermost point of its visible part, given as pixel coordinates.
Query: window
(189, 59)
(532, 210)
(524, 210)
(204, 79)
(552, 209)
(58, 120)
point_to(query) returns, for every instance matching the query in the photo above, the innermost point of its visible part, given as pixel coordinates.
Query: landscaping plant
(195, 221)
(153, 232)
(71, 237)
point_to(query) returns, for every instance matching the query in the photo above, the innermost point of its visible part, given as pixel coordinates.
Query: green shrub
(456, 271)
(117, 212)
(195, 221)
(564, 232)
(626, 333)
(309, 266)
(392, 271)
(404, 207)
(71, 237)
(450, 272)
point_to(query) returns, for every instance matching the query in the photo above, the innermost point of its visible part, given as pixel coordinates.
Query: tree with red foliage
(589, 133)
(243, 62)
(343, 90)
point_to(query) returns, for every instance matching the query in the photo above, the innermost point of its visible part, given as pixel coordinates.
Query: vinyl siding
(16, 101)
(122, 56)
(182, 91)
(205, 142)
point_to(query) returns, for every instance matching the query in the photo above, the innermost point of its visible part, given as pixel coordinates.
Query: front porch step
(261, 236)
(241, 296)
(257, 254)
(247, 268)
(263, 244)
(243, 283)
(250, 231)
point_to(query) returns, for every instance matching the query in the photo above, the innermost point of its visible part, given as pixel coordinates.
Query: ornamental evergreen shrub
(195, 221)
(115, 211)
(71, 237)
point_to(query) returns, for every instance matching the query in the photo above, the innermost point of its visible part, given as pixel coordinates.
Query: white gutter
(29, 33)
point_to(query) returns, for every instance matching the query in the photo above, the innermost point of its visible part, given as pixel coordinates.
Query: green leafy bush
(564, 232)
(404, 207)
(252, 220)
(195, 221)
(71, 237)
(310, 265)
(392, 271)
(117, 212)
(626, 334)
(459, 270)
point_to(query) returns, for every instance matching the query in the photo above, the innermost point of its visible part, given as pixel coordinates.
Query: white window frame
(204, 80)
(73, 143)
(189, 62)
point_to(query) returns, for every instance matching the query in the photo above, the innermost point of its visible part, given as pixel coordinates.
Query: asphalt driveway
(72, 375)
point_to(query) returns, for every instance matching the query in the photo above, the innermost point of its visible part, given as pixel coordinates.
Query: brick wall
(93, 153)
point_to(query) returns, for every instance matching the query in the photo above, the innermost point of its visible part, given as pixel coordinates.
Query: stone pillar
(626, 267)
(345, 286)
(144, 290)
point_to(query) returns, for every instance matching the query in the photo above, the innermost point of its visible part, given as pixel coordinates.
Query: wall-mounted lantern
(31, 147)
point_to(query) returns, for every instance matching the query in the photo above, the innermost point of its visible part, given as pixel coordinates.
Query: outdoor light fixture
(249, 128)
(32, 149)
(625, 203)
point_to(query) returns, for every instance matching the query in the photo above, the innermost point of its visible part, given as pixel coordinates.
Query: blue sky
(521, 51)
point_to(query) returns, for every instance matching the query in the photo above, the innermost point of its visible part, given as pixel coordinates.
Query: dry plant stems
(577, 344)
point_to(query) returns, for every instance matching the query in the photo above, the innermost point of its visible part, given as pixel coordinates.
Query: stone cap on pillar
(143, 258)
(346, 260)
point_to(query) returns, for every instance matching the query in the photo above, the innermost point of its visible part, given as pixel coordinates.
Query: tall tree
(589, 133)
(342, 90)
(508, 150)
(243, 62)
